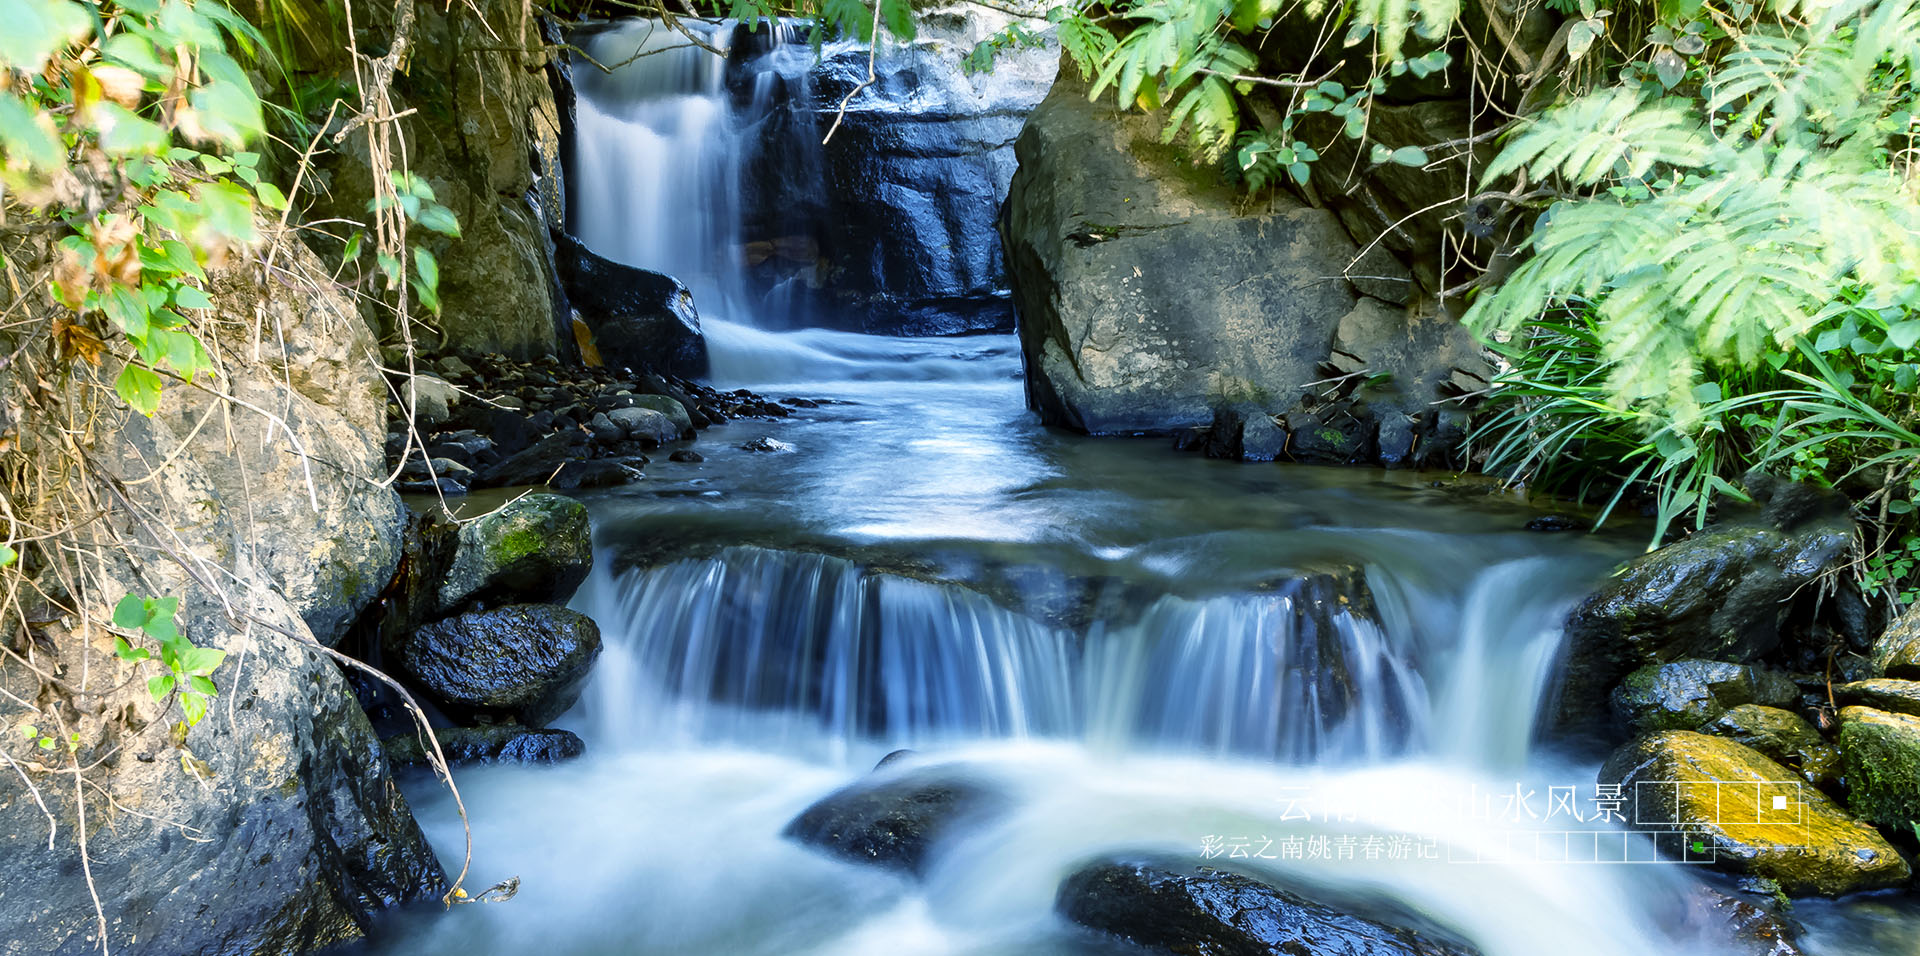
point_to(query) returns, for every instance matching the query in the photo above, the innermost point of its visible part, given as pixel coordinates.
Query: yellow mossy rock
(1753, 814)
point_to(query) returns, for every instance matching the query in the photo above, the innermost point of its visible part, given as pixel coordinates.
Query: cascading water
(1139, 652)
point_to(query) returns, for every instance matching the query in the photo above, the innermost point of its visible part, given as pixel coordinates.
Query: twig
(873, 47)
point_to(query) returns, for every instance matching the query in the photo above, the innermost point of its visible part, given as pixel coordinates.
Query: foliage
(188, 668)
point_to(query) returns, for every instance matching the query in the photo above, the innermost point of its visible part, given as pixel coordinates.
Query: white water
(1190, 706)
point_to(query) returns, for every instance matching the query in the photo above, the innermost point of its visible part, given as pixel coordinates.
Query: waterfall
(760, 647)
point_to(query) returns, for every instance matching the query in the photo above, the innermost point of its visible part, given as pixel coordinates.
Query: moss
(1882, 758)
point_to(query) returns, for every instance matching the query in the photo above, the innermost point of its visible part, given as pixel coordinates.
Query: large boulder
(1720, 594)
(524, 661)
(1172, 907)
(1781, 736)
(889, 226)
(893, 819)
(1683, 695)
(1150, 296)
(534, 549)
(1882, 758)
(639, 319)
(271, 826)
(1752, 815)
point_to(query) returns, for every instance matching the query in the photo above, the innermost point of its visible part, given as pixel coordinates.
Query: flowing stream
(1330, 675)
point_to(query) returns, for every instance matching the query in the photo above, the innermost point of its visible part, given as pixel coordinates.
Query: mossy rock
(1882, 693)
(1897, 653)
(533, 550)
(1686, 694)
(1882, 758)
(1782, 736)
(668, 406)
(1722, 794)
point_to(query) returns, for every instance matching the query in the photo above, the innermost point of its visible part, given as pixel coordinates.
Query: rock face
(492, 743)
(1897, 653)
(639, 319)
(1149, 299)
(1720, 594)
(893, 821)
(1685, 694)
(1781, 736)
(1180, 908)
(535, 549)
(889, 227)
(272, 826)
(1882, 754)
(1721, 794)
(524, 661)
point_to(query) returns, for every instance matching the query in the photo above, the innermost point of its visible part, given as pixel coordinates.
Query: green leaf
(159, 686)
(1903, 335)
(27, 136)
(140, 388)
(194, 706)
(440, 219)
(201, 660)
(34, 29)
(203, 685)
(352, 253)
(270, 195)
(190, 297)
(128, 652)
(29, 730)
(8, 556)
(228, 210)
(1409, 156)
(130, 613)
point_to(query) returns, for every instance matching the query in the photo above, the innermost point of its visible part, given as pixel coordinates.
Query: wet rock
(1720, 594)
(1725, 799)
(535, 549)
(595, 473)
(770, 445)
(687, 455)
(1781, 736)
(1883, 693)
(1881, 753)
(1751, 930)
(438, 486)
(433, 399)
(445, 468)
(604, 430)
(490, 743)
(525, 661)
(894, 821)
(1897, 653)
(537, 462)
(639, 319)
(674, 410)
(1685, 694)
(1180, 908)
(645, 424)
(1554, 523)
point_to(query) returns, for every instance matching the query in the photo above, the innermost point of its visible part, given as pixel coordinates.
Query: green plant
(188, 668)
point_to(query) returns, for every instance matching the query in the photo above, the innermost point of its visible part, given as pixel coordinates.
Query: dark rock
(1883, 693)
(438, 486)
(537, 462)
(1752, 930)
(525, 661)
(640, 319)
(1554, 523)
(1683, 695)
(764, 444)
(687, 455)
(1897, 652)
(894, 822)
(594, 473)
(1720, 594)
(451, 452)
(1179, 908)
(535, 549)
(1789, 505)
(645, 424)
(491, 743)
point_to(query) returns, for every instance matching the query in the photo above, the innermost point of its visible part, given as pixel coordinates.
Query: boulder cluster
(485, 421)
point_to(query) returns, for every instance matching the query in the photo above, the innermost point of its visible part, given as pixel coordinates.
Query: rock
(1720, 594)
(537, 462)
(1172, 907)
(1685, 694)
(491, 743)
(639, 319)
(687, 455)
(1554, 523)
(675, 412)
(452, 367)
(604, 430)
(1897, 653)
(1881, 753)
(452, 451)
(594, 473)
(1151, 296)
(272, 826)
(438, 486)
(438, 468)
(525, 661)
(433, 400)
(770, 445)
(894, 821)
(1815, 847)
(1884, 693)
(1781, 736)
(645, 424)
(535, 549)
(1752, 930)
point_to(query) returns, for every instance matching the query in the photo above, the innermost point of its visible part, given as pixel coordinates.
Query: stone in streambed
(1745, 928)
(687, 455)
(1683, 695)
(492, 743)
(1722, 794)
(644, 424)
(525, 661)
(1882, 693)
(675, 412)
(1781, 736)
(597, 473)
(894, 821)
(532, 550)
(1881, 753)
(1179, 908)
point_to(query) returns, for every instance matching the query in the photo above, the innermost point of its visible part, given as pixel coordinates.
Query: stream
(1328, 675)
